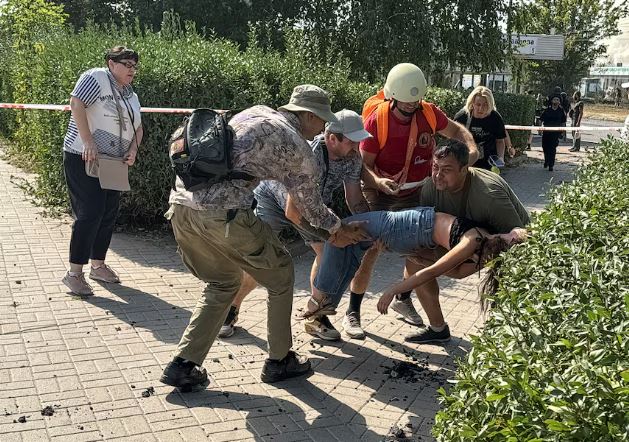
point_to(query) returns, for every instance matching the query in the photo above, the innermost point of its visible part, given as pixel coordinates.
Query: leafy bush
(518, 110)
(552, 362)
(450, 101)
(179, 68)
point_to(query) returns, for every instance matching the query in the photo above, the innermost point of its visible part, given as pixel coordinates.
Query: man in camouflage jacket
(217, 246)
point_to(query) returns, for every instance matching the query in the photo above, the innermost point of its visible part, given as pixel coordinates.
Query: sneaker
(104, 273)
(291, 366)
(406, 311)
(574, 149)
(428, 335)
(351, 326)
(77, 284)
(184, 374)
(228, 326)
(322, 328)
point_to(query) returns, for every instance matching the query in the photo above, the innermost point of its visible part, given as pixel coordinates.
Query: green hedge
(179, 68)
(517, 109)
(552, 362)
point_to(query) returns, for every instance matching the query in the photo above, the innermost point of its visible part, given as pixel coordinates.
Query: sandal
(322, 308)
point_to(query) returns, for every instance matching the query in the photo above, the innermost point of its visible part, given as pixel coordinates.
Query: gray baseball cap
(350, 124)
(310, 98)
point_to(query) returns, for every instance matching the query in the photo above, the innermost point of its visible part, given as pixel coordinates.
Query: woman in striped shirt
(105, 121)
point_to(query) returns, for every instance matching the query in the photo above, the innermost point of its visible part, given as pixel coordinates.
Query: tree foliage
(437, 35)
(372, 34)
(434, 34)
(225, 18)
(584, 23)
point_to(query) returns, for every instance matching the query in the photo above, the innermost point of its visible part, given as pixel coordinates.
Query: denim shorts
(403, 232)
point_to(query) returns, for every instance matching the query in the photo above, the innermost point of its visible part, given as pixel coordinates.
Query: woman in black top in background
(486, 125)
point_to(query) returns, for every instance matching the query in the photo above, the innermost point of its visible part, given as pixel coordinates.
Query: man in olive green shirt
(479, 195)
(490, 200)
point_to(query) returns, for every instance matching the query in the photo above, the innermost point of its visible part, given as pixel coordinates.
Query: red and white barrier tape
(172, 110)
(567, 128)
(66, 108)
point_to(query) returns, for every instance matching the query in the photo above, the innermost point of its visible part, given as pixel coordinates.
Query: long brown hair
(490, 249)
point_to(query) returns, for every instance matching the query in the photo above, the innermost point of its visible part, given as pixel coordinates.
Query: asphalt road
(587, 137)
(597, 136)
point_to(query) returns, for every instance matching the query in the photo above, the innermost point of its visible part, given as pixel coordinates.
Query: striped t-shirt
(95, 88)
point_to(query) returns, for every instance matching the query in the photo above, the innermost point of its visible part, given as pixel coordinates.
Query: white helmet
(406, 83)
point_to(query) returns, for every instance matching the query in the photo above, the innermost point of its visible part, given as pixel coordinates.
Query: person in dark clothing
(576, 113)
(565, 105)
(565, 102)
(482, 119)
(555, 93)
(553, 116)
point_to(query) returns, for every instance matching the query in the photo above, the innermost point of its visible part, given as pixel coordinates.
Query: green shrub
(552, 362)
(179, 68)
(450, 101)
(518, 110)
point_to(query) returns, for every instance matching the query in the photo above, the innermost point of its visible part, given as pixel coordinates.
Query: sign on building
(538, 46)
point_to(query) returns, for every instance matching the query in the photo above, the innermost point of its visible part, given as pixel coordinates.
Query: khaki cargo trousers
(218, 254)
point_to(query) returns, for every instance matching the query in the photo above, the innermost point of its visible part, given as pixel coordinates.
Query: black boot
(291, 366)
(184, 374)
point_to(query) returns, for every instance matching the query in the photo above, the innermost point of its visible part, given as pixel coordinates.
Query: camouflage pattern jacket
(269, 146)
(332, 176)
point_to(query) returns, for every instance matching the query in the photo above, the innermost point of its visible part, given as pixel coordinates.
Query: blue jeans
(403, 232)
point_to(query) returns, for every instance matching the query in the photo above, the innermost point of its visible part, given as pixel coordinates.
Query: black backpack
(200, 150)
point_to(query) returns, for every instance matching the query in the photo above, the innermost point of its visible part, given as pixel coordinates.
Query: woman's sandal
(323, 308)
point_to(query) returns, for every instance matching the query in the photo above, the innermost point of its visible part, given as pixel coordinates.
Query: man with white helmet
(395, 162)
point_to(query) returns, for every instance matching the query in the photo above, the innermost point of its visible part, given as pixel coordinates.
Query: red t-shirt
(392, 157)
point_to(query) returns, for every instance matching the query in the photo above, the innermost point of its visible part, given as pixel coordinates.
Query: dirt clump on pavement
(400, 434)
(48, 411)
(148, 392)
(406, 371)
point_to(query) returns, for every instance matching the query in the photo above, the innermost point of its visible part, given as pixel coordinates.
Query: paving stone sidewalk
(95, 363)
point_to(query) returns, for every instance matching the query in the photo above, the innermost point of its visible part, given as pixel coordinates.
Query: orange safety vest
(380, 105)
